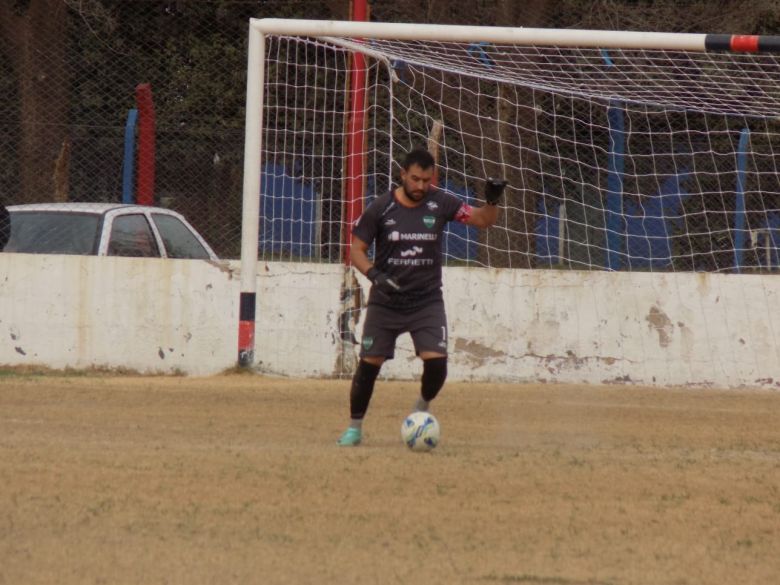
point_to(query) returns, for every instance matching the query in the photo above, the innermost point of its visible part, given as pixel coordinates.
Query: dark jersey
(5, 226)
(408, 245)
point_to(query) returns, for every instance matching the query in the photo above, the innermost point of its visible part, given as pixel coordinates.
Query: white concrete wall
(298, 308)
(555, 326)
(147, 315)
(694, 329)
(601, 327)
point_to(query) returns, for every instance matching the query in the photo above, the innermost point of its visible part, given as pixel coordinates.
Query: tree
(33, 37)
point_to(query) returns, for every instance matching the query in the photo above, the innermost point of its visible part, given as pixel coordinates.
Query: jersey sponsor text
(410, 261)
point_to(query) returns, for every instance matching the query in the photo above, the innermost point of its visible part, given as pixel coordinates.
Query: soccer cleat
(350, 438)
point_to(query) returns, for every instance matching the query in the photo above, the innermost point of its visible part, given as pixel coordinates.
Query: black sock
(433, 377)
(362, 389)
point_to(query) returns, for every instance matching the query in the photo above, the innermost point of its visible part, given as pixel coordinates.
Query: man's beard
(415, 196)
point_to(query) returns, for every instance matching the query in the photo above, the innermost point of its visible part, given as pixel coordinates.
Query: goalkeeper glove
(493, 190)
(382, 281)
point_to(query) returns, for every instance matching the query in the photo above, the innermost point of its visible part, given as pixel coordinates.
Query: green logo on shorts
(429, 221)
(368, 342)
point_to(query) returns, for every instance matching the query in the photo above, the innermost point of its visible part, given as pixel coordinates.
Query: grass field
(237, 479)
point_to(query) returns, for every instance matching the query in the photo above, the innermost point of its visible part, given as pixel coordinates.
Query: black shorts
(427, 326)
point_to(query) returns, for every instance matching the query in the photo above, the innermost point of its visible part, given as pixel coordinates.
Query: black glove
(493, 190)
(382, 281)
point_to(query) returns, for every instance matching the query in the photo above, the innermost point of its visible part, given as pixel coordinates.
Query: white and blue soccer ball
(421, 431)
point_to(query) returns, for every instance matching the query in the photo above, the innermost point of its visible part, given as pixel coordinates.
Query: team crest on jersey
(429, 221)
(368, 342)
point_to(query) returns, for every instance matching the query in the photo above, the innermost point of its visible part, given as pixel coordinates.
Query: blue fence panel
(128, 164)
(739, 204)
(547, 233)
(460, 240)
(614, 208)
(289, 217)
(652, 222)
(288, 210)
(650, 225)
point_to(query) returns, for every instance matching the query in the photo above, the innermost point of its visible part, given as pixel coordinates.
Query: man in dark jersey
(407, 226)
(5, 226)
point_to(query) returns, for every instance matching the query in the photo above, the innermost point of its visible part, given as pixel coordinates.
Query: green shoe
(350, 438)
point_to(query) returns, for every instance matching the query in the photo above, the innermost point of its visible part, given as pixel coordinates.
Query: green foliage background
(193, 53)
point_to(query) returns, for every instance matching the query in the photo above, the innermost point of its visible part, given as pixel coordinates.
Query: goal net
(619, 161)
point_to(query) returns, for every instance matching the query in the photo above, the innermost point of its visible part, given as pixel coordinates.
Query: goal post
(626, 153)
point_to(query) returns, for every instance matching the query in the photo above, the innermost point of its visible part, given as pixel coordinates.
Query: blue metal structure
(128, 166)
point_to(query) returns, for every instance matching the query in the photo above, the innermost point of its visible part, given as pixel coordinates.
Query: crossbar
(606, 39)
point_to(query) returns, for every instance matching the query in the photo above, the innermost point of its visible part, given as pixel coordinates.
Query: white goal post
(636, 160)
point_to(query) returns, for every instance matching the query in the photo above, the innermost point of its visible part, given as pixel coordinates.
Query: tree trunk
(339, 9)
(515, 144)
(34, 39)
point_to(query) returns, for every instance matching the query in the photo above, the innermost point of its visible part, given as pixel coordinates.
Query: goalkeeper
(5, 226)
(406, 225)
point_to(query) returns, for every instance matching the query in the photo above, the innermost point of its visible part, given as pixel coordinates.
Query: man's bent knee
(374, 360)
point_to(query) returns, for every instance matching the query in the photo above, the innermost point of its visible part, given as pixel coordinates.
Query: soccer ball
(420, 431)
